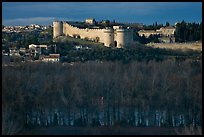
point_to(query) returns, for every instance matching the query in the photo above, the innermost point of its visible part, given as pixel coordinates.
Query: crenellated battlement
(81, 28)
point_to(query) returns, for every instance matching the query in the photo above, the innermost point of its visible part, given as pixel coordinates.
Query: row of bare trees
(166, 93)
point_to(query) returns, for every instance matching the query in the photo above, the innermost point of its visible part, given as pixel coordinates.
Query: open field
(184, 46)
(110, 131)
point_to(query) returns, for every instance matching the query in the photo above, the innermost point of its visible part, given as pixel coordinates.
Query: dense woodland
(188, 32)
(147, 94)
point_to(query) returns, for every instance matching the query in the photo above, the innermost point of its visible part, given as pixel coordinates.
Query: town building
(147, 33)
(90, 21)
(37, 49)
(163, 31)
(50, 58)
(167, 31)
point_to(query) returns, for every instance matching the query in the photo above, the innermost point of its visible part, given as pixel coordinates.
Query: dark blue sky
(25, 13)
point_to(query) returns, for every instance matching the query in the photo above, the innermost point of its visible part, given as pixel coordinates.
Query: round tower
(57, 28)
(120, 37)
(108, 37)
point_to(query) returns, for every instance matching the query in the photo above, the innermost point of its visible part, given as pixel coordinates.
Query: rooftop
(168, 27)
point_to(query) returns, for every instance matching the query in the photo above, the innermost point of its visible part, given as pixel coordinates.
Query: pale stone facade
(111, 37)
(36, 49)
(37, 46)
(163, 31)
(90, 21)
(167, 31)
(147, 33)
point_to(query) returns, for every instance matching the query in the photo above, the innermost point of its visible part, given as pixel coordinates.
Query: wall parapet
(81, 28)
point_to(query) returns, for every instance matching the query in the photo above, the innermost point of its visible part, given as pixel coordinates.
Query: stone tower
(57, 28)
(120, 38)
(108, 37)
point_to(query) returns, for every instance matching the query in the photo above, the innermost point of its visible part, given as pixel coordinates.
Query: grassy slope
(79, 41)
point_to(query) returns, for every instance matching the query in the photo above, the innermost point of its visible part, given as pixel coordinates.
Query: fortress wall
(84, 33)
(123, 37)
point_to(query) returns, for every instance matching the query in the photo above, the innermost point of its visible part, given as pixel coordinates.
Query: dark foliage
(188, 32)
(136, 52)
(83, 90)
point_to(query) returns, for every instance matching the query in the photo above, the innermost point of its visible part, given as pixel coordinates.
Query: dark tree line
(154, 26)
(144, 40)
(136, 52)
(167, 94)
(188, 32)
